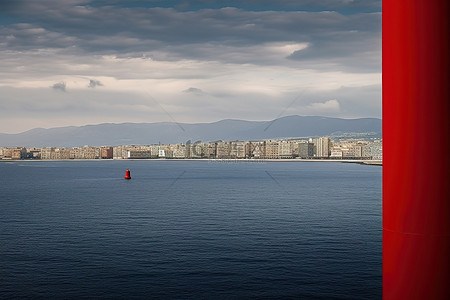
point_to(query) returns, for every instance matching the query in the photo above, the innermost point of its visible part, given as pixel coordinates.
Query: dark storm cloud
(323, 4)
(20, 5)
(59, 86)
(208, 34)
(258, 5)
(351, 50)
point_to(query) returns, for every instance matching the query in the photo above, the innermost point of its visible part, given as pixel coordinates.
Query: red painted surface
(416, 153)
(127, 174)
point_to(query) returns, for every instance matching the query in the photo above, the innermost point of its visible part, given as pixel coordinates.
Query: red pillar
(416, 154)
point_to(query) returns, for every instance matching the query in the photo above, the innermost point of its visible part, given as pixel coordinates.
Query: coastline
(215, 160)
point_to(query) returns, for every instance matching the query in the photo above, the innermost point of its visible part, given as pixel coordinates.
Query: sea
(190, 230)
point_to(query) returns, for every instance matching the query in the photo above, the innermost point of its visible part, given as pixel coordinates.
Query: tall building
(305, 150)
(323, 146)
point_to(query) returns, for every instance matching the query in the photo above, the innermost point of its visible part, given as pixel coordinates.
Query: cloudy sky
(78, 62)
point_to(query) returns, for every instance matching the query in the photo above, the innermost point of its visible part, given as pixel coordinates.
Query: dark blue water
(190, 229)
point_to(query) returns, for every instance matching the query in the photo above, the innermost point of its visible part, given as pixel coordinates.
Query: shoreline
(214, 160)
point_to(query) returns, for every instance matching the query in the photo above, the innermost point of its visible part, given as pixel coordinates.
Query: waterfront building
(373, 150)
(89, 152)
(179, 151)
(119, 152)
(251, 149)
(322, 146)
(34, 153)
(165, 151)
(48, 153)
(287, 149)
(237, 149)
(5, 153)
(196, 150)
(272, 149)
(336, 154)
(210, 150)
(62, 153)
(356, 150)
(13, 153)
(106, 152)
(305, 150)
(223, 149)
(19, 153)
(140, 154)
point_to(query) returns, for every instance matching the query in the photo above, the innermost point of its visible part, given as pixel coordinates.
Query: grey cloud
(94, 83)
(262, 4)
(353, 101)
(167, 34)
(353, 51)
(25, 36)
(170, 26)
(82, 106)
(78, 103)
(193, 90)
(18, 6)
(184, 4)
(60, 86)
(19, 108)
(323, 3)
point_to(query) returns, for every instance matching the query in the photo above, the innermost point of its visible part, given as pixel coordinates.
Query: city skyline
(84, 62)
(303, 148)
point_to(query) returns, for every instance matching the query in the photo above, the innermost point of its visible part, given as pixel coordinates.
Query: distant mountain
(167, 133)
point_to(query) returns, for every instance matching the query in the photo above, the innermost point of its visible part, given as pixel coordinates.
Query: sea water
(190, 230)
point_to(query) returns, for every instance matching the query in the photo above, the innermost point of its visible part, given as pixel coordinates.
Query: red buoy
(127, 174)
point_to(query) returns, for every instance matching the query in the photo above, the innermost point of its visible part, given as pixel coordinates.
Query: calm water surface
(190, 229)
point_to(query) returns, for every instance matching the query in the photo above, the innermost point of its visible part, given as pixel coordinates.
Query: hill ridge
(170, 132)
